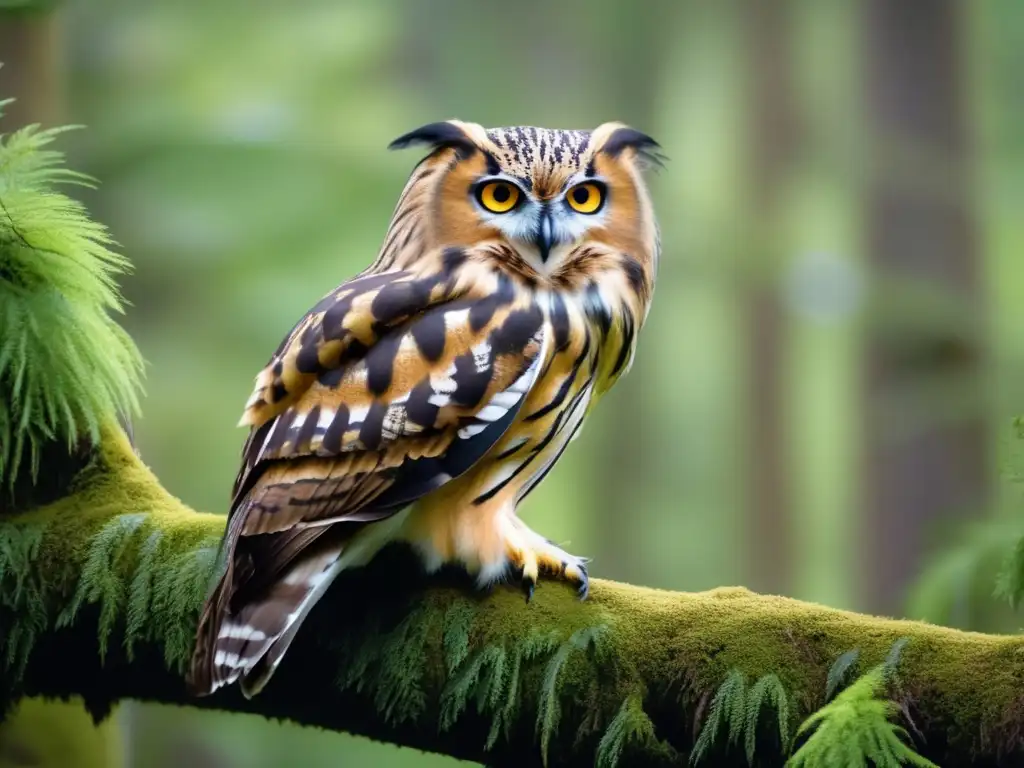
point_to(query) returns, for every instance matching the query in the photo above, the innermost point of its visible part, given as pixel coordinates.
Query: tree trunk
(773, 135)
(32, 56)
(920, 468)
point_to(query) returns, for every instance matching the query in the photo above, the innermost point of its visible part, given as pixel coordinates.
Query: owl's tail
(249, 643)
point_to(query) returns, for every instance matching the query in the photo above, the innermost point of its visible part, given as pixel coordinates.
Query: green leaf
(840, 671)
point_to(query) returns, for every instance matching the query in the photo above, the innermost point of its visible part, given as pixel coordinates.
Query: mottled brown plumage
(422, 400)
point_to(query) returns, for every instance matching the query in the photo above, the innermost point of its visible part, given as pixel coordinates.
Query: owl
(422, 400)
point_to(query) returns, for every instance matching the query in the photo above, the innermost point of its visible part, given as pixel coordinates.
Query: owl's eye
(586, 198)
(498, 196)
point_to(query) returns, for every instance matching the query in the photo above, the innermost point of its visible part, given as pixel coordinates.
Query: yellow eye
(499, 196)
(585, 198)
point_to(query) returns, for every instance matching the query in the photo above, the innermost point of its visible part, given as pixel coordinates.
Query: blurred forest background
(822, 402)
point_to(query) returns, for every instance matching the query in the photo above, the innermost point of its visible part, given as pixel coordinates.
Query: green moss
(121, 552)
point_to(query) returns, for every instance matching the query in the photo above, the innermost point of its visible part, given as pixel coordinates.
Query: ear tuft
(648, 151)
(434, 135)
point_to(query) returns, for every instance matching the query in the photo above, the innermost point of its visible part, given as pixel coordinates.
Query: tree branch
(100, 591)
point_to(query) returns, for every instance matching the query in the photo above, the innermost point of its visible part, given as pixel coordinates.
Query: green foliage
(101, 580)
(550, 710)
(458, 621)
(631, 725)
(492, 677)
(178, 588)
(892, 659)
(389, 664)
(766, 692)
(20, 595)
(727, 711)
(153, 593)
(140, 592)
(840, 671)
(1010, 582)
(856, 728)
(65, 365)
(524, 652)
(737, 708)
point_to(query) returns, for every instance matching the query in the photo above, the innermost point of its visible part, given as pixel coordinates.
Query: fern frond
(550, 711)
(856, 727)
(391, 667)
(65, 365)
(892, 659)
(20, 592)
(766, 691)
(179, 586)
(839, 672)
(140, 592)
(471, 678)
(99, 581)
(399, 696)
(729, 703)
(631, 725)
(458, 620)
(526, 651)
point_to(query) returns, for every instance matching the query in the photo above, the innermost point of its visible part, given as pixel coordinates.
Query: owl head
(545, 194)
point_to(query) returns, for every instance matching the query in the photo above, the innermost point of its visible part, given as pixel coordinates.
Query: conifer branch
(100, 591)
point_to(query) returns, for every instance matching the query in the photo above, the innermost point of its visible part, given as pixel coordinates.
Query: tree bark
(102, 588)
(773, 136)
(30, 52)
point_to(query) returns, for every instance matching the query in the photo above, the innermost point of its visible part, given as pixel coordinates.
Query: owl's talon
(528, 586)
(536, 556)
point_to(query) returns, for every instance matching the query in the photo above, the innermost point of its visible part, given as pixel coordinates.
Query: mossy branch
(102, 575)
(100, 590)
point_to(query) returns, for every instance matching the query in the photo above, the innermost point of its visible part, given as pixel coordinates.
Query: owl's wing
(422, 385)
(416, 397)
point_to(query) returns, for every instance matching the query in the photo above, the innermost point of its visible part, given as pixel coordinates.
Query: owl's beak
(544, 238)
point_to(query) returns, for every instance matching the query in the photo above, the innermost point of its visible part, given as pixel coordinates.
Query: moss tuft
(65, 365)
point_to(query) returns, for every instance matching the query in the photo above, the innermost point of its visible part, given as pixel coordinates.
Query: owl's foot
(531, 555)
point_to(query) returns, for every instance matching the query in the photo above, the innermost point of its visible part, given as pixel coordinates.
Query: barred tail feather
(251, 643)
